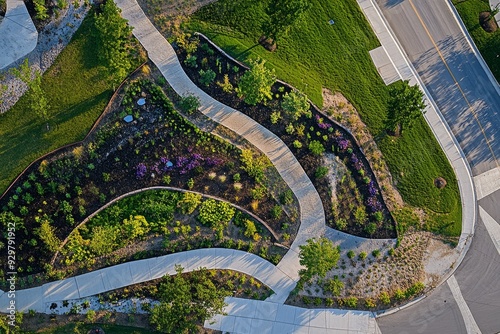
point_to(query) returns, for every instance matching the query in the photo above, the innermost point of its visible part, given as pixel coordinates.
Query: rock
(440, 182)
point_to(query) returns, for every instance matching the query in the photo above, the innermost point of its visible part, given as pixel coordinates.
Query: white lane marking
(487, 183)
(492, 227)
(470, 323)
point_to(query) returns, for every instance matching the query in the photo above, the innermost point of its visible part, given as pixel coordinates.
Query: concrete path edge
(459, 164)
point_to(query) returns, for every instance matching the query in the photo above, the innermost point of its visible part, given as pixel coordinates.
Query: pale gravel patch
(131, 305)
(54, 37)
(439, 260)
(336, 170)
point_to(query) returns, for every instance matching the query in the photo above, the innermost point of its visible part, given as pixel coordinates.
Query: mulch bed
(209, 57)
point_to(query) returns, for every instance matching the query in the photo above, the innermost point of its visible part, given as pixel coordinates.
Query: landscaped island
(155, 176)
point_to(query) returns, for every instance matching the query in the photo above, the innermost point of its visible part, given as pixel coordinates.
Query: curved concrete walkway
(18, 35)
(163, 55)
(130, 273)
(242, 315)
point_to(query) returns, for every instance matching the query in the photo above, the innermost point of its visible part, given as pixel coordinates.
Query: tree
(185, 303)
(406, 104)
(283, 14)
(295, 104)
(318, 256)
(255, 85)
(112, 37)
(35, 95)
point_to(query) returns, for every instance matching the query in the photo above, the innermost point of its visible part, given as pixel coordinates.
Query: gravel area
(83, 305)
(51, 41)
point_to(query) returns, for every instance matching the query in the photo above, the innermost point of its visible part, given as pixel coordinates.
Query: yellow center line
(470, 107)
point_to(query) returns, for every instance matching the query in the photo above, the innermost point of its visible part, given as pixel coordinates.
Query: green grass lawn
(487, 43)
(108, 329)
(317, 55)
(77, 88)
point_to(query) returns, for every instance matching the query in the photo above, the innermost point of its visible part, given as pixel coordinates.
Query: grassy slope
(336, 57)
(487, 43)
(78, 91)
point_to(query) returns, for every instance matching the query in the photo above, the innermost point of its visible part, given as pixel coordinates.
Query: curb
(465, 238)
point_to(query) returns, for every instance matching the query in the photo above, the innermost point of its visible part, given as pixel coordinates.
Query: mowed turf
(487, 43)
(77, 88)
(316, 54)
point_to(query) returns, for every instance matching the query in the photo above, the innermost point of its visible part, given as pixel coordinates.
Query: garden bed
(159, 147)
(159, 222)
(363, 211)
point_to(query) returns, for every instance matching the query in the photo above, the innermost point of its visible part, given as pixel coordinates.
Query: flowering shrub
(356, 162)
(373, 204)
(372, 189)
(321, 123)
(212, 162)
(182, 164)
(341, 142)
(140, 170)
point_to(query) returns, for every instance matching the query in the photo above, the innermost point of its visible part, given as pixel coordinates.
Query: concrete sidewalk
(18, 35)
(253, 316)
(130, 273)
(433, 117)
(163, 55)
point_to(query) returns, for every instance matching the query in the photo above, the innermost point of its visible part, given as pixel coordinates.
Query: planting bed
(159, 147)
(362, 211)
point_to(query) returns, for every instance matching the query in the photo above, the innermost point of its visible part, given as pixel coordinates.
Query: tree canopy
(113, 37)
(295, 104)
(283, 14)
(255, 85)
(38, 102)
(318, 256)
(185, 303)
(406, 104)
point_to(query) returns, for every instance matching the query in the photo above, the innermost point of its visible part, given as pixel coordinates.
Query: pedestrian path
(487, 182)
(249, 317)
(436, 121)
(135, 272)
(18, 35)
(164, 57)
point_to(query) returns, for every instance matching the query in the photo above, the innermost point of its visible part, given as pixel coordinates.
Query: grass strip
(488, 44)
(317, 54)
(77, 87)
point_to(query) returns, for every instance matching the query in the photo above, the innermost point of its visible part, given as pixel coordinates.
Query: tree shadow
(465, 97)
(389, 3)
(244, 53)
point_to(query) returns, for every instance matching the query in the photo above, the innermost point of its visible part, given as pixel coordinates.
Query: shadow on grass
(82, 107)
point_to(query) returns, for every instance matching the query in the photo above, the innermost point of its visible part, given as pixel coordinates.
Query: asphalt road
(454, 77)
(470, 103)
(478, 278)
